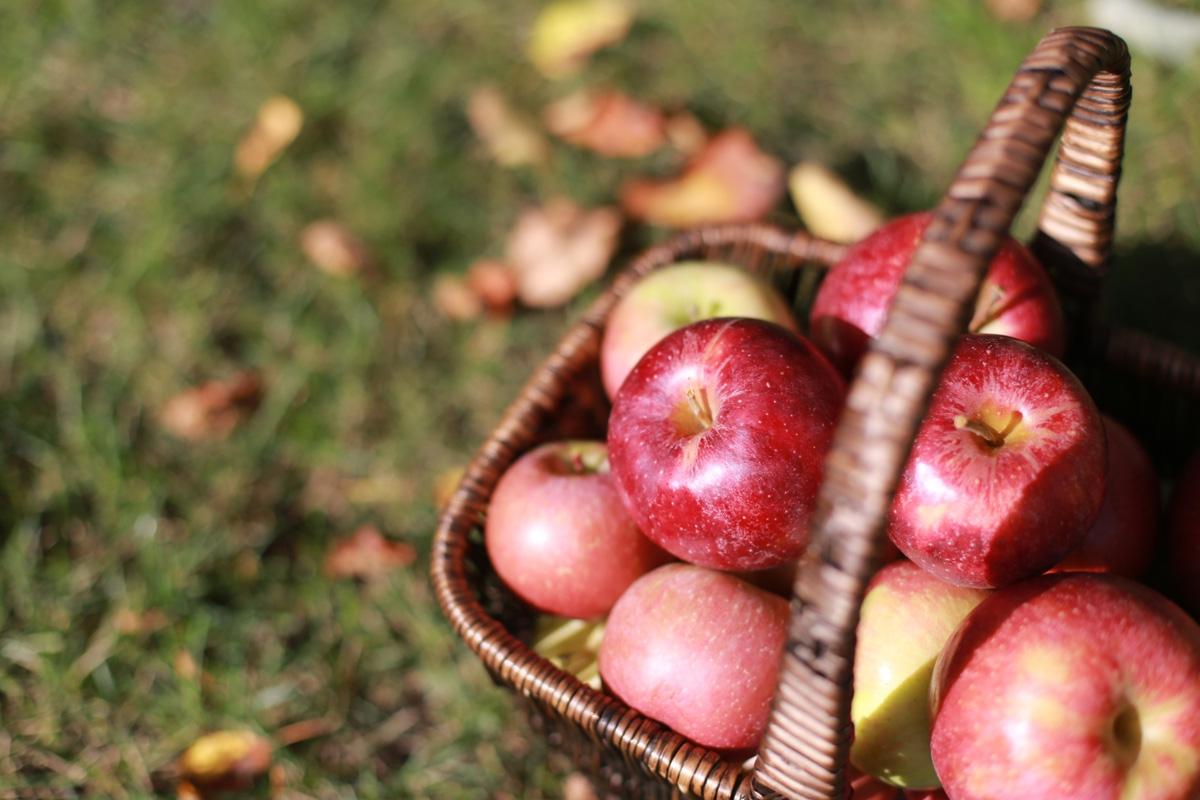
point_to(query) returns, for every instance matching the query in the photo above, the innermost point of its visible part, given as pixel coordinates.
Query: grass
(155, 589)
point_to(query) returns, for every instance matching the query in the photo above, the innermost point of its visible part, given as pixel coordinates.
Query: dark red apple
(1076, 684)
(1006, 473)
(558, 533)
(1124, 536)
(698, 650)
(717, 440)
(1017, 298)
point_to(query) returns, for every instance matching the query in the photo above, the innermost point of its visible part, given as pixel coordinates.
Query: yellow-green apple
(1124, 537)
(906, 618)
(1017, 298)
(558, 534)
(1183, 537)
(674, 295)
(1006, 473)
(698, 650)
(1074, 684)
(717, 440)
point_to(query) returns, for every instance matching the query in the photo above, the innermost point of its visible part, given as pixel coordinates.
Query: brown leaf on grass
(609, 122)
(559, 248)
(828, 207)
(578, 786)
(213, 409)
(566, 33)
(276, 126)
(511, 139)
(455, 299)
(489, 286)
(729, 180)
(224, 761)
(131, 623)
(334, 249)
(367, 554)
(495, 283)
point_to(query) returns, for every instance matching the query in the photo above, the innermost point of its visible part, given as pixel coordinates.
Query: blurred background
(270, 272)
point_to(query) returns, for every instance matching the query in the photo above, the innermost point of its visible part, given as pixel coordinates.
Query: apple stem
(698, 402)
(989, 308)
(993, 437)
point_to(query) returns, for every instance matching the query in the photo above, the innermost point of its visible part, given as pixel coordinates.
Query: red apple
(1183, 537)
(906, 618)
(558, 533)
(698, 650)
(1125, 534)
(717, 440)
(1017, 298)
(1076, 684)
(673, 296)
(1006, 473)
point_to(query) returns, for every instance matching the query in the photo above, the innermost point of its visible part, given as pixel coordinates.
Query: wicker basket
(1073, 89)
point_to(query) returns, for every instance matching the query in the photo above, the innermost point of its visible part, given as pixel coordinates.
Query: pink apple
(1076, 684)
(1006, 474)
(1183, 537)
(698, 650)
(906, 618)
(717, 440)
(1124, 536)
(1017, 298)
(673, 296)
(558, 533)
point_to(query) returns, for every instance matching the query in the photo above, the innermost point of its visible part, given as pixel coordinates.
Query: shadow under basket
(1073, 90)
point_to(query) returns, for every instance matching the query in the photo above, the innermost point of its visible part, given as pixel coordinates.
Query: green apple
(907, 617)
(676, 295)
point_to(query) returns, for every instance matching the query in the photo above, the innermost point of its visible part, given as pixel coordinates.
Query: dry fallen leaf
(277, 124)
(558, 249)
(829, 208)
(577, 786)
(334, 249)
(609, 122)
(213, 409)
(729, 180)
(567, 32)
(510, 138)
(1015, 10)
(495, 283)
(366, 554)
(455, 299)
(686, 133)
(225, 761)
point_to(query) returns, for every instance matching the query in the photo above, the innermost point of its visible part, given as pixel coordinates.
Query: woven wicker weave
(1073, 89)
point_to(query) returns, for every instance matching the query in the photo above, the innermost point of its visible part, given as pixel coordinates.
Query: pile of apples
(1011, 646)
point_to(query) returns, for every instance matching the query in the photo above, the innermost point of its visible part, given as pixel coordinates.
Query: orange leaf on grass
(510, 138)
(560, 248)
(366, 554)
(213, 409)
(225, 761)
(276, 126)
(729, 180)
(609, 122)
(566, 33)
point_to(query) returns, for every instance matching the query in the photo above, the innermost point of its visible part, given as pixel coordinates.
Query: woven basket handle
(1075, 83)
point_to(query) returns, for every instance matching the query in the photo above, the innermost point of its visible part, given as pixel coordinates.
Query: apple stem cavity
(991, 436)
(1126, 736)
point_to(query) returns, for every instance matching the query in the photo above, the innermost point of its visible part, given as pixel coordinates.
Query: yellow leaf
(828, 207)
(567, 32)
(276, 126)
